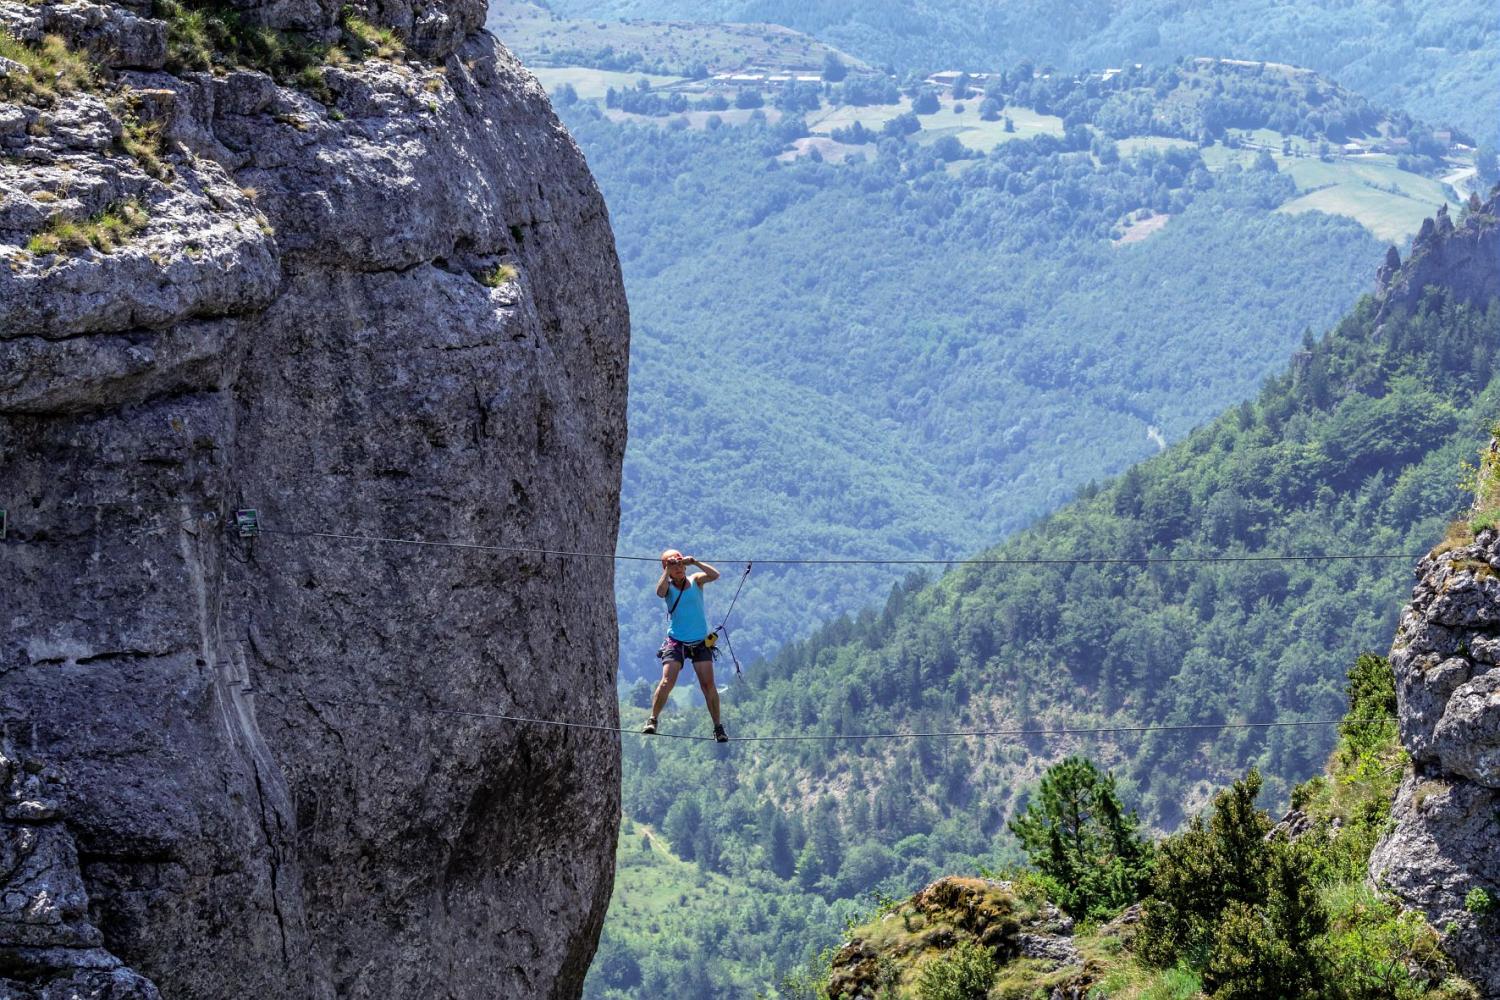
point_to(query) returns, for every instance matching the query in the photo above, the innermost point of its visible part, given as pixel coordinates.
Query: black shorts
(676, 651)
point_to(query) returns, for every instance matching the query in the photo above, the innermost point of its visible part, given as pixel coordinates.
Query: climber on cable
(687, 635)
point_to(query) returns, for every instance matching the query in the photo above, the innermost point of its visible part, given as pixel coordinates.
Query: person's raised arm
(663, 583)
(709, 574)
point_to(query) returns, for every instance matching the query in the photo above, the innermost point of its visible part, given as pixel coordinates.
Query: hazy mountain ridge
(1437, 58)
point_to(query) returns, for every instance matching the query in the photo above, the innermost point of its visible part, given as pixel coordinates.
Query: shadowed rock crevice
(50, 944)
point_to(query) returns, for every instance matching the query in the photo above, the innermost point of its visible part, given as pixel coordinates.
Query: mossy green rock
(1029, 939)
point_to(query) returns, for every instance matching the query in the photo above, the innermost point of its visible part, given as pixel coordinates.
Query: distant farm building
(948, 77)
(759, 78)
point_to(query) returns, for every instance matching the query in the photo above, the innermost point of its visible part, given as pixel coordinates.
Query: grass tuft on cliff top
(368, 41)
(1483, 481)
(52, 70)
(213, 36)
(104, 232)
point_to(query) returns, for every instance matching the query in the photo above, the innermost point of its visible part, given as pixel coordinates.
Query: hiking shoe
(719, 734)
(650, 727)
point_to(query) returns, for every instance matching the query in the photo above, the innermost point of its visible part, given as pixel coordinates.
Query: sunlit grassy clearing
(973, 131)
(653, 884)
(1312, 173)
(978, 134)
(1389, 216)
(872, 116)
(1371, 189)
(592, 84)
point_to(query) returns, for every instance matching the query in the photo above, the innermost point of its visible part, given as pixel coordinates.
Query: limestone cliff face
(1446, 839)
(386, 306)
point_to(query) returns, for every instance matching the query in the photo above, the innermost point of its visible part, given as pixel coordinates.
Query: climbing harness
(711, 641)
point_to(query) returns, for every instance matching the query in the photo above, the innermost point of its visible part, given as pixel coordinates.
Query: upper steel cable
(975, 561)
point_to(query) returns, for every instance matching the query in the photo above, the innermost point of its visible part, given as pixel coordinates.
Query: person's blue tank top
(690, 621)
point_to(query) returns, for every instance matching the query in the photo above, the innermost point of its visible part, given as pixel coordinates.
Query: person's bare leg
(669, 669)
(705, 672)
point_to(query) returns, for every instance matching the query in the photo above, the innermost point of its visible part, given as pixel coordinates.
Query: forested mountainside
(1352, 451)
(1381, 883)
(1436, 58)
(922, 348)
(1235, 906)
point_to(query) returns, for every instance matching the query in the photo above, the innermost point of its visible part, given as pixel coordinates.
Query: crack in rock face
(389, 304)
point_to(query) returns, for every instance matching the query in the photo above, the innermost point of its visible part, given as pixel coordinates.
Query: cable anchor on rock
(248, 522)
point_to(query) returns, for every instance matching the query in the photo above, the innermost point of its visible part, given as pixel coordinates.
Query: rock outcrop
(952, 910)
(44, 919)
(1459, 258)
(376, 297)
(1442, 855)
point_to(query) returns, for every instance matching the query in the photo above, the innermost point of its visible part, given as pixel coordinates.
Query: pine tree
(779, 848)
(1078, 834)
(1200, 872)
(1272, 950)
